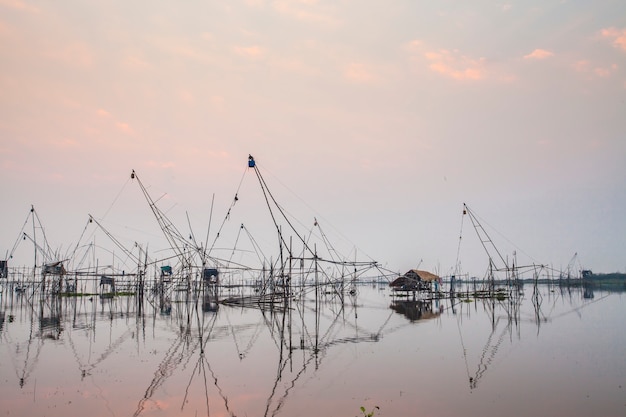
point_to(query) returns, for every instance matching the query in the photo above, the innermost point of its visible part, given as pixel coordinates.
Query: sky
(377, 119)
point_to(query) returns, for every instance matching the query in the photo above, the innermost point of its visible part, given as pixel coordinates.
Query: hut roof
(424, 275)
(403, 281)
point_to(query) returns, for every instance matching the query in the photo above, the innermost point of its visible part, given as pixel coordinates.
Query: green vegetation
(369, 414)
(610, 282)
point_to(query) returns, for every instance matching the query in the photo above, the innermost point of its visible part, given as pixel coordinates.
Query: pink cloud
(124, 127)
(539, 54)
(136, 63)
(218, 101)
(65, 143)
(103, 113)
(76, 54)
(4, 29)
(305, 10)
(189, 51)
(106, 121)
(454, 65)
(296, 66)
(180, 47)
(508, 78)
(587, 67)
(450, 63)
(415, 44)
(358, 73)
(186, 96)
(601, 72)
(249, 51)
(617, 36)
(165, 165)
(19, 5)
(582, 66)
(605, 72)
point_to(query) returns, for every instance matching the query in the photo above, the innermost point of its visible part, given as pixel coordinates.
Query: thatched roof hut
(423, 275)
(414, 279)
(55, 268)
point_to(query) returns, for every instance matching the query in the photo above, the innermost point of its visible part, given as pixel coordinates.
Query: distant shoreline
(613, 281)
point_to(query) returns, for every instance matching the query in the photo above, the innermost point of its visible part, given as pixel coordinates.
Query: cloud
(217, 102)
(161, 164)
(454, 65)
(617, 36)
(249, 51)
(106, 121)
(296, 66)
(305, 10)
(177, 46)
(539, 54)
(358, 73)
(415, 45)
(4, 29)
(186, 96)
(189, 51)
(124, 127)
(606, 71)
(582, 66)
(449, 63)
(586, 67)
(65, 143)
(136, 63)
(76, 54)
(19, 5)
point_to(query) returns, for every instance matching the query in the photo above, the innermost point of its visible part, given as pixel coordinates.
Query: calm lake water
(562, 353)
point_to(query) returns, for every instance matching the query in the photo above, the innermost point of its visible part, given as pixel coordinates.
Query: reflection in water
(506, 320)
(416, 309)
(311, 325)
(50, 318)
(180, 350)
(588, 290)
(489, 351)
(501, 326)
(206, 358)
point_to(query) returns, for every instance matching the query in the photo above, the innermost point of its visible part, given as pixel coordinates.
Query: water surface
(557, 353)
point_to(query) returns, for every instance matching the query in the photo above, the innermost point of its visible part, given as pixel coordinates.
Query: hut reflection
(415, 309)
(50, 319)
